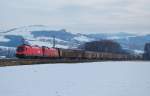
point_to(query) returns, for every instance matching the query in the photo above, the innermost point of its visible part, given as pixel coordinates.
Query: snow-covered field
(86, 79)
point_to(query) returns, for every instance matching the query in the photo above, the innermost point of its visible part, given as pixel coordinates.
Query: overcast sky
(86, 16)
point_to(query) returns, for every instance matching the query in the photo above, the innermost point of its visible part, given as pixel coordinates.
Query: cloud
(78, 15)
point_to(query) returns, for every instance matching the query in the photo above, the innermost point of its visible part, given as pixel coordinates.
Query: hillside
(43, 36)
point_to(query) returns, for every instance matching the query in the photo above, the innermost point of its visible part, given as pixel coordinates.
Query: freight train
(28, 51)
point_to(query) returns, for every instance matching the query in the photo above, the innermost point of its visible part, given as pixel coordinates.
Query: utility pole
(53, 41)
(23, 41)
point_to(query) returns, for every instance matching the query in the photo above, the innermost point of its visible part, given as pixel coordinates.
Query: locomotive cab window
(20, 49)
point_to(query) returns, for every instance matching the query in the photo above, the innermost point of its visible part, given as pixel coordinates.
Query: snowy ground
(86, 79)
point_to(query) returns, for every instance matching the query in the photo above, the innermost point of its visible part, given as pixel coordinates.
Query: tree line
(103, 46)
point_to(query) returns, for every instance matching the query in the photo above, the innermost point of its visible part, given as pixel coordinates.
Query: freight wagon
(70, 54)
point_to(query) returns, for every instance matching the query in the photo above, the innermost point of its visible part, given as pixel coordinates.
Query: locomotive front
(21, 52)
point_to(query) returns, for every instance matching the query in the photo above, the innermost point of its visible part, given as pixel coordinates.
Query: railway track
(14, 62)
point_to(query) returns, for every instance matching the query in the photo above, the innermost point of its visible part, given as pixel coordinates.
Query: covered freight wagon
(69, 53)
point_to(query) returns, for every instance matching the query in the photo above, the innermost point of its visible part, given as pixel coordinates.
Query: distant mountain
(43, 36)
(134, 42)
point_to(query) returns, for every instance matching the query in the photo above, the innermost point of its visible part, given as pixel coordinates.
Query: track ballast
(14, 62)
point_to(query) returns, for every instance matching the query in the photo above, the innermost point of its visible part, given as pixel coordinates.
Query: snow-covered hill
(43, 36)
(40, 35)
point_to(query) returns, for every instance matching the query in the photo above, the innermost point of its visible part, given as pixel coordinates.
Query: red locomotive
(27, 51)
